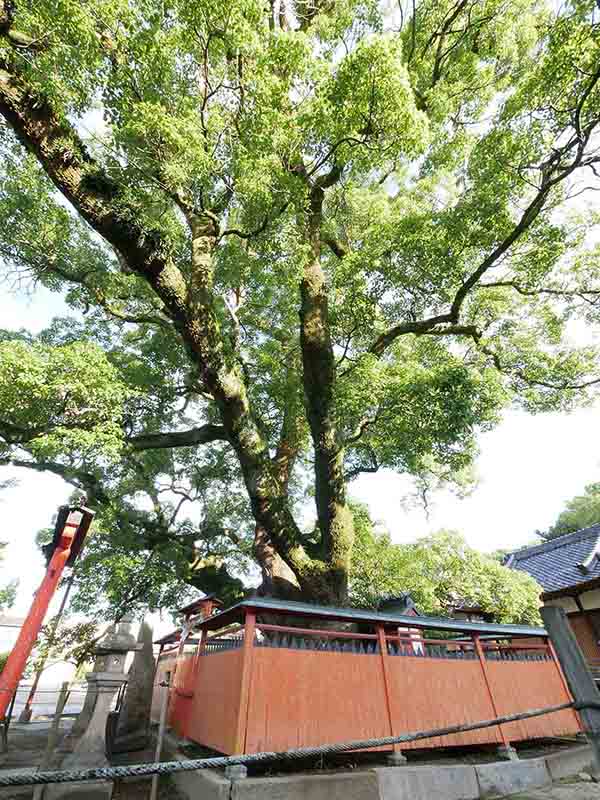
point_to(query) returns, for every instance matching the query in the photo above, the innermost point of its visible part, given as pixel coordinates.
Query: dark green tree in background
(440, 572)
(580, 512)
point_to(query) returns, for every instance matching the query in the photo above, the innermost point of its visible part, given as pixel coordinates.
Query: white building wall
(590, 600)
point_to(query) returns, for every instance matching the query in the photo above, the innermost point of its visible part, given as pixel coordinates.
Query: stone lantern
(88, 749)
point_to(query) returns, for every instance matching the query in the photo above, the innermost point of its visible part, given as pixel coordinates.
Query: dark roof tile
(557, 564)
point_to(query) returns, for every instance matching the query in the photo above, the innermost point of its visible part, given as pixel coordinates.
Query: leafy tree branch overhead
(304, 238)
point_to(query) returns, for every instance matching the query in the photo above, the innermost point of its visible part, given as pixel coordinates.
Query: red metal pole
(13, 670)
(26, 713)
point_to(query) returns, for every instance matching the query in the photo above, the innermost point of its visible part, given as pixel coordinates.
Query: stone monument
(133, 726)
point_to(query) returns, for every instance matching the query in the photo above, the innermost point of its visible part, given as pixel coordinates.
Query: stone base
(479, 782)
(502, 779)
(129, 743)
(236, 772)
(426, 783)
(84, 790)
(507, 752)
(397, 759)
(569, 762)
(25, 715)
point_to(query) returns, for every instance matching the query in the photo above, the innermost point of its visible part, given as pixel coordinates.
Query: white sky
(528, 467)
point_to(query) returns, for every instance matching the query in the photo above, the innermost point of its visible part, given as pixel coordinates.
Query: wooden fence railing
(272, 687)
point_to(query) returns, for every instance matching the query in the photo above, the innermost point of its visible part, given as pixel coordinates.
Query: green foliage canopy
(580, 512)
(305, 239)
(440, 572)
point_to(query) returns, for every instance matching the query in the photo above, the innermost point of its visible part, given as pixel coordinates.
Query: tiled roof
(561, 562)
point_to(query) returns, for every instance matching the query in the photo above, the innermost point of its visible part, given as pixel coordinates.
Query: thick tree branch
(421, 328)
(336, 247)
(195, 436)
(554, 170)
(373, 467)
(62, 154)
(319, 373)
(17, 39)
(79, 478)
(362, 426)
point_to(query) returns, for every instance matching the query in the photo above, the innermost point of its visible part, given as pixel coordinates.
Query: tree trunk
(278, 580)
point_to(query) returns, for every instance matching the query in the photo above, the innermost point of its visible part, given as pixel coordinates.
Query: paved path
(44, 702)
(566, 791)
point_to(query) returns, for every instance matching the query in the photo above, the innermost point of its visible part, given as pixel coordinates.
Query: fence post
(5, 723)
(578, 675)
(245, 681)
(61, 702)
(160, 736)
(505, 750)
(199, 652)
(396, 758)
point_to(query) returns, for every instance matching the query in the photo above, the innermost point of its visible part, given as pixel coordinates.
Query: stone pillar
(85, 715)
(133, 728)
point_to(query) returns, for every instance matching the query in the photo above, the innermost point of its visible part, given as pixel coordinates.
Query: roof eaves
(558, 542)
(366, 615)
(586, 564)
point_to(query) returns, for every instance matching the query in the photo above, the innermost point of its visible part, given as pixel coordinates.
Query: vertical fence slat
(245, 681)
(386, 681)
(486, 678)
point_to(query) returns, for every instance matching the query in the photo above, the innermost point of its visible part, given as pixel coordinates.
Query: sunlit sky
(528, 467)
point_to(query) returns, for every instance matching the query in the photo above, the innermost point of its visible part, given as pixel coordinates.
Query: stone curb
(511, 777)
(357, 785)
(478, 782)
(569, 762)
(427, 783)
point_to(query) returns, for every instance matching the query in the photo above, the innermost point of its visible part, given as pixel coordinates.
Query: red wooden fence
(279, 687)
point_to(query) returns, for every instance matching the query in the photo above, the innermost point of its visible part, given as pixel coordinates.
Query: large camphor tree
(302, 240)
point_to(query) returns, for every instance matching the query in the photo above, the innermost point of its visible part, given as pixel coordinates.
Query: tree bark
(278, 580)
(99, 199)
(319, 374)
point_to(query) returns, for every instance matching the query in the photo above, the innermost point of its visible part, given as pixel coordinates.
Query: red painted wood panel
(214, 709)
(435, 693)
(299, 699)
(304, 698)
(182, 694)
(522, 685)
